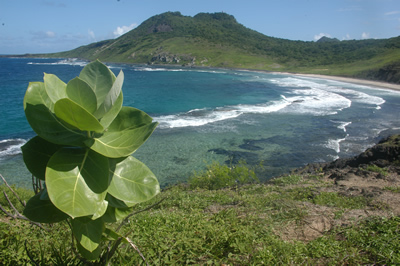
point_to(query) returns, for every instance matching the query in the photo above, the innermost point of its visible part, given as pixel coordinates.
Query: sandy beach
(380, 84)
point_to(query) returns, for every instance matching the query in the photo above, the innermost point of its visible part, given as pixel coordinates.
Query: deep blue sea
(208, 115)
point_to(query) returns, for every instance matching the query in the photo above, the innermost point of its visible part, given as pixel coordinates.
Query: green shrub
(220, 176)
(82, 151)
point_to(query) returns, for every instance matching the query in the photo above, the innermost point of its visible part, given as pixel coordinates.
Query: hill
(218, 40)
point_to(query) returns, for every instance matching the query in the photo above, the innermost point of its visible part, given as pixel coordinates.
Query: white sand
(380, 84)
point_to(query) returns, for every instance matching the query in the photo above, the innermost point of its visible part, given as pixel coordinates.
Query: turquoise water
(208, 115)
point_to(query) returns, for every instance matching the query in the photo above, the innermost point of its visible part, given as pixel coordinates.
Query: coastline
(380, 84)
(375, 83)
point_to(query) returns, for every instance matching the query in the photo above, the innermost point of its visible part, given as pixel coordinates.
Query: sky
(46, 26)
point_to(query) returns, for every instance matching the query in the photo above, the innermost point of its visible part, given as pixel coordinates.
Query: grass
(377, 169)
(239, 224)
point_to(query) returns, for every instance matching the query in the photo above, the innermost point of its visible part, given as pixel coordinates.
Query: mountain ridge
(218, 40)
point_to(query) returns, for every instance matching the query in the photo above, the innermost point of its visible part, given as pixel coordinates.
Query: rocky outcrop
(159, 28)
(384, 154)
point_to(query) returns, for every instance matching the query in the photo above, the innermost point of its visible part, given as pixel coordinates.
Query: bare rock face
(159, 28)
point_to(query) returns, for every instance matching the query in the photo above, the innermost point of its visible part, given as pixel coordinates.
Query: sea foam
(69, 61)
(11, 147)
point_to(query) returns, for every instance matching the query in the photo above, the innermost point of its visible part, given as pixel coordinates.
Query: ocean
(281, 121)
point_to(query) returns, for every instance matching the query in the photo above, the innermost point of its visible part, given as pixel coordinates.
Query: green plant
(220, 176)
(83, 154)
(288, 180)
(377, 169)
(393, 189)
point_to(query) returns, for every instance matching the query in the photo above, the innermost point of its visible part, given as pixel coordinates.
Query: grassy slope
(296, 219)
(218, 40)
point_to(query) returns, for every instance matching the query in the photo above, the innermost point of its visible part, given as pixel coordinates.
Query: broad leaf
(132, 181)
(88, 232)
(109, 117)
(36, 154)
(76, 116)
(129, 118)
(113, 202)
(112, 96)
(101, 210)
(100, 78)
(44, 122)
(77, 181)
(121, 143)
(81, 93)
(117, 210)
(129, 130)
(43, 211)
(91, 256)
(55, 87)
(114, 215)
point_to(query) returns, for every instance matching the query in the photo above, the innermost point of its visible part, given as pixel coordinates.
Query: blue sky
(40, 26)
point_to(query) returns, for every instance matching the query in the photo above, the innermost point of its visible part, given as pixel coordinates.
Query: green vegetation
(219, 176)
(246, 224)
(83, 154)
(377, 169)
(218, 40)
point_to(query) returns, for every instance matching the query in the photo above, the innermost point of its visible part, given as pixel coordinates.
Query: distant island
(218, 40)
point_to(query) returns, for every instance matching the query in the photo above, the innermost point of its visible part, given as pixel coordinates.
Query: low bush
(219, 176)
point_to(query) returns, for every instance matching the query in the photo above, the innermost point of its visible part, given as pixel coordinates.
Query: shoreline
(359, 81)
(366, 82)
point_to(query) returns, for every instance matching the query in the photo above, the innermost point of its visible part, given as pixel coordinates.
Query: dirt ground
(320, 219)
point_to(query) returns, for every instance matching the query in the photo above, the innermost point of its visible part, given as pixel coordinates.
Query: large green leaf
(81, 93)
(100, 78)
(132, 181)
(109, 117)
(91, 256)
(55, 88)
(44, 122)
(117, 210)
(77, 181)
(112, 96)
(113, 215)
(121, 143)
(129, 118)
(76, 116)
(43, 211)
(129, 130)
(36, 154)
(88, 232)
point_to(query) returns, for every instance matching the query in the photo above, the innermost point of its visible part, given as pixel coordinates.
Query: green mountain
(218, 40)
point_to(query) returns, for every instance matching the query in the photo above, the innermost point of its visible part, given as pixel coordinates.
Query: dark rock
(236, 156)
(382, 155)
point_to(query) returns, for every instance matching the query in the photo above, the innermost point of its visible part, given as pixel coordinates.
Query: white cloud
(124, 29)
(347, 37)
(365, 35)
(50, 34)
(43, 35)
(392, 13)
(92, 36)
(319, 36)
